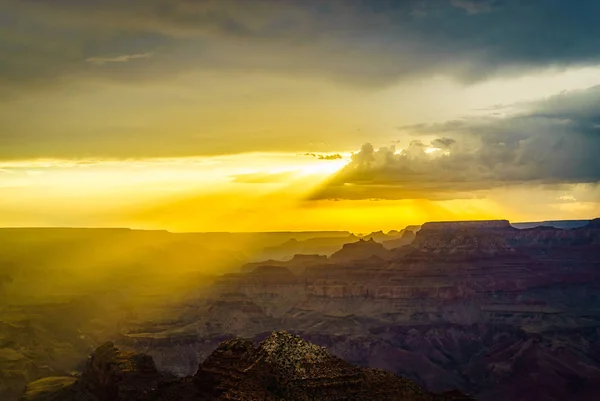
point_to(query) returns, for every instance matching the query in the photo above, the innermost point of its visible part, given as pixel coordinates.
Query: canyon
(485, 308)
(478, 306)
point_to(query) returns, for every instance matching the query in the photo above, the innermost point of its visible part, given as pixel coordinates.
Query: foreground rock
(282, 367)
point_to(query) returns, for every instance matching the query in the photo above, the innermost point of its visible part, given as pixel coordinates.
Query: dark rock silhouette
(282, 367)
(362, 249)
(404, 238)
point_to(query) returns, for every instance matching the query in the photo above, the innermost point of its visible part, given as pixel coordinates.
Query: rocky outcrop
(319, 245)
(360, 250)
(282, 367)
(501, 362)
(485, 239)
(405, 238)
(297, 264)
(593, 224)
(467, 238)
(114, 375)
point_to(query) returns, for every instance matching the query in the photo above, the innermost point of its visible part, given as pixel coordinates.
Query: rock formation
(319, 245)
(494, 311)
(360, 250)
(404, 238)
(296, 264)
(282, 367)
(464, 306)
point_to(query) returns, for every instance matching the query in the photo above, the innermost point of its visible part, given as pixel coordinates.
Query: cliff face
(468, 306)
(282, 367)
(363, 249)
(406, 237)
(321, 246)
(446, 262)
(109, 375)
(491, 310)
(498, 237)
(472, 238)
(494, 362)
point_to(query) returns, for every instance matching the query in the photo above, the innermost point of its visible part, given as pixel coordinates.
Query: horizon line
(274, 231)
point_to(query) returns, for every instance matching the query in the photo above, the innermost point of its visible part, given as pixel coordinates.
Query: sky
(275, 115)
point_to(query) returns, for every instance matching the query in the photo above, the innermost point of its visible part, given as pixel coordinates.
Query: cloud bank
(551, 142)
(358, 42)
(118, 59)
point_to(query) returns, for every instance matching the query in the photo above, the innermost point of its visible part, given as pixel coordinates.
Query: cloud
(443, 143)
(361, 42)
(334, 156)
(550, 142)
(202, 47)
(118, 59)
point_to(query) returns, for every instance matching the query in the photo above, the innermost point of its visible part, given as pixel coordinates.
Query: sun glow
(243, 192)
(323, 167)
(432, 150)
(125, 188)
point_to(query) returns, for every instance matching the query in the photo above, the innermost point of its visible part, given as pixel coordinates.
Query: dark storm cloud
(553, 142)
(364, 42)
(58, 44)
(443, 143)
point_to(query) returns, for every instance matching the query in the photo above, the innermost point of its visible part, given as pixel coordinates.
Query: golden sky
(195, 115)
